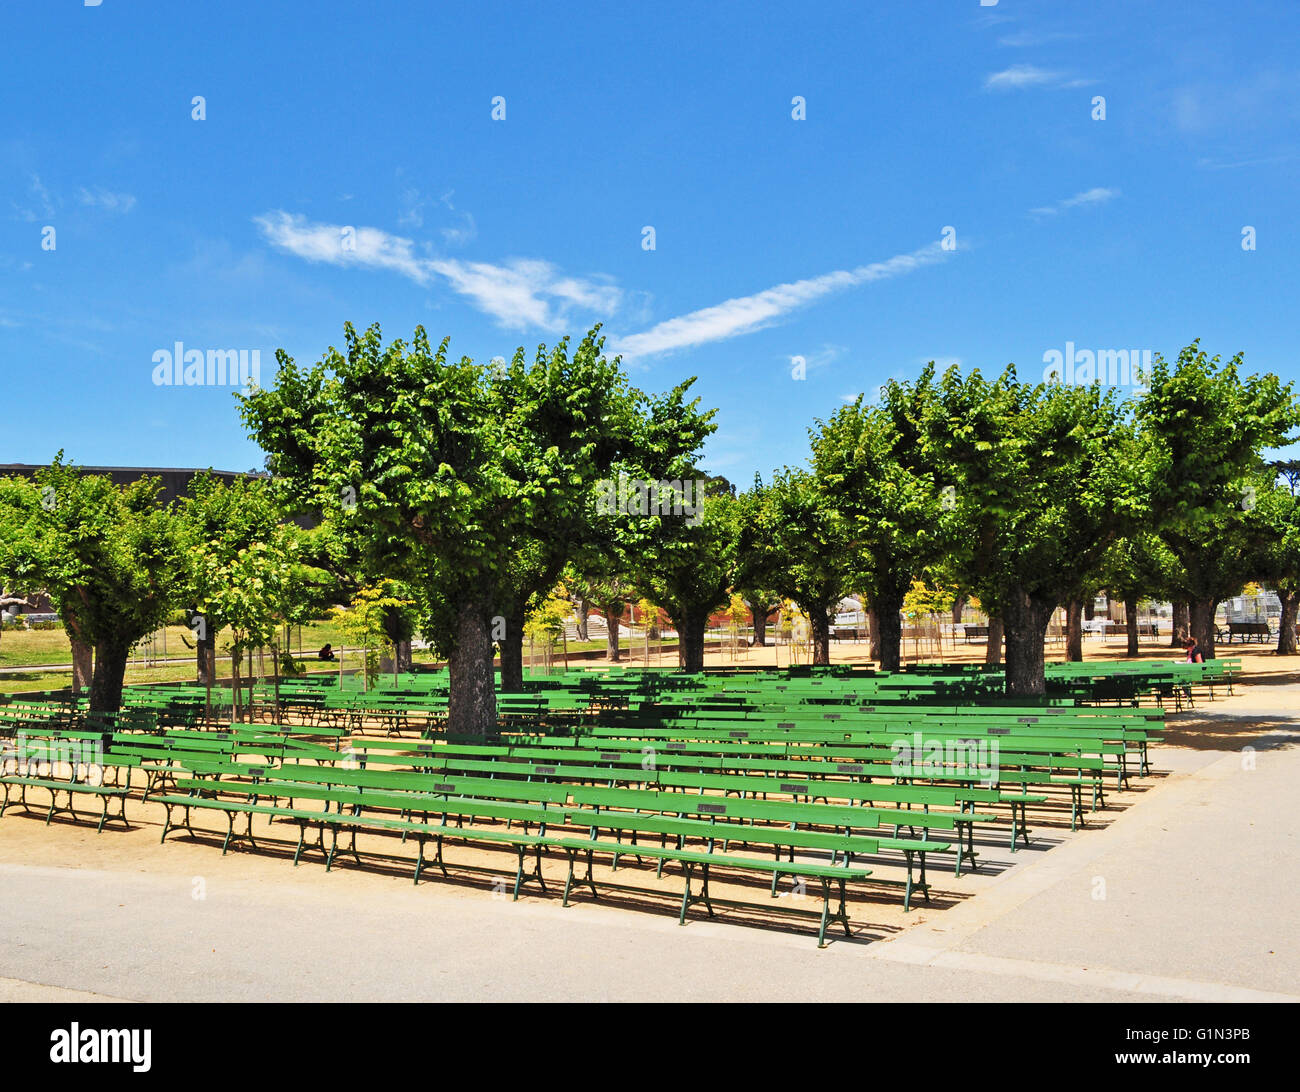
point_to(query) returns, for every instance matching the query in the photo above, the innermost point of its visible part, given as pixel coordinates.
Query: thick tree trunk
(613, 618)
(1201, 624)
(472, 703)
(109, 673)
(759, 610)
(886, 622)
(821, 635)
(1131, 626)
(993, 651)
(83, 663)
(1089, 607)
(1074, 631)
(958, 607)
(690, 636)
(1026, 621)
(1180, 623)
(1286, 642)
(512, 652)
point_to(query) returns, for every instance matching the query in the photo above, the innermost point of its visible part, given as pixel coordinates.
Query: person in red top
(1194, 655)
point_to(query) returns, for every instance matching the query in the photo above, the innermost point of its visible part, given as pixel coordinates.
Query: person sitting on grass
(326, 653)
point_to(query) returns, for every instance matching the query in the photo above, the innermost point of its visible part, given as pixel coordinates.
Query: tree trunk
(472, 703)
(690, 636)
(205, 659)
(759, 610)
(958, 607)
(873, 624)
(109, 673)
(1201, 613)
(887, 630)
(1025, 620)
(1286, 642)
(1074, 631)
(1131, 626)
(613, 616)
(993, 651)
(821, 635)
(512, 652)
(1089, 607)
(1180, 623)
(83, 662)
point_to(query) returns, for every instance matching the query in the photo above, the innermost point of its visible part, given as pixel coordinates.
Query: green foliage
(1204, 428)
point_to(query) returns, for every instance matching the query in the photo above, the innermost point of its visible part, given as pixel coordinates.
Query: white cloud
(518, 293)
(1028, 75)
(745, 314)
(459, 236)
(1020, 75)
(1096, 196)
(109, 202)
(37, 189)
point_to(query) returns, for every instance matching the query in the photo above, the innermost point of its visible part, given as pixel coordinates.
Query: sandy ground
(1182, 888)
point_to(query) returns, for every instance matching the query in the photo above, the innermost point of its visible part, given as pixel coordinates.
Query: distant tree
(875, 462)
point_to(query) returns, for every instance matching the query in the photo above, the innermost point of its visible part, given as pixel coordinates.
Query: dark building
(175, 482)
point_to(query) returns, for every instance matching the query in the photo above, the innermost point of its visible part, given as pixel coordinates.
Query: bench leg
(689, 899)
(965, 846)
(841, 915)
(536, 874)
(587, 879)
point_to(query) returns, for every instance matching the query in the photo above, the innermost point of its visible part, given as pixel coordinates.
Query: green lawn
(39, 649)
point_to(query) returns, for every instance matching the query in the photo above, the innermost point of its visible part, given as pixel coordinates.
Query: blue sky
(775, 238)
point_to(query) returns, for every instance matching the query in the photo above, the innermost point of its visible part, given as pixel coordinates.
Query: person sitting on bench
(326, 653)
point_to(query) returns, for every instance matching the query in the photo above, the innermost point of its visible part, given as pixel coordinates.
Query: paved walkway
(1198, 878)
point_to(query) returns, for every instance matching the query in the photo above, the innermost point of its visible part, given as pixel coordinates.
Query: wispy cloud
(745, 314)
(1096, 196)
(44, 202)
(518, 293)
(103, 199)
(1025, 38)
(1020, 76)
(1259, 161)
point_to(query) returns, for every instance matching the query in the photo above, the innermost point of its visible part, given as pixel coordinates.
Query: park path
(1198, 874)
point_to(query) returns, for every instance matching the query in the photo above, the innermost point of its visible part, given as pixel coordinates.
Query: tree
(1137, 566)
(1204, 427)
(689, 572)
(800, 532)
(1275, 519)
(1040, 487)
(217, 520)
(107, 555)
(756, 563)
(367, 620)
(449, 468)
(875, 462)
